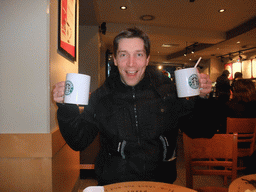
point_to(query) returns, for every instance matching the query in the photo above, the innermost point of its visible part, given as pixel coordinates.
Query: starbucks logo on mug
(193, 81)
(69, 87)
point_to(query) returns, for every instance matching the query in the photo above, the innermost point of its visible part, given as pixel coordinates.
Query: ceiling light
(123, 7)
(222, 10)
(166, 45)
(147, 17)
(238, 42)
(170, 45)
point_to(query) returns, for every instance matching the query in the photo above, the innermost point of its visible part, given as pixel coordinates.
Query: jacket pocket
(169, 152)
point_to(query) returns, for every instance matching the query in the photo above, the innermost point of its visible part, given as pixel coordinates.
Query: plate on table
(94, 189)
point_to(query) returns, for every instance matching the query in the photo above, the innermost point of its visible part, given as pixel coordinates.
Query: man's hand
(205, 85)
(58, 92)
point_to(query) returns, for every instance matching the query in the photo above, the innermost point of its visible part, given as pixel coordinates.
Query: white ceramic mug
(187, 82)
(77, 89)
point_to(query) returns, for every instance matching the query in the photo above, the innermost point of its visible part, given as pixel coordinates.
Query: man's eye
(123, 55)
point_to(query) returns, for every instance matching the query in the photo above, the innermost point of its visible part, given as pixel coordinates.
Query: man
(137, 114)
(223, 87)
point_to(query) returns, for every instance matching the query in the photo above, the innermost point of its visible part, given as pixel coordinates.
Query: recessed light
(222, 10)
(123, 7)
(147, 17)
(238, 42)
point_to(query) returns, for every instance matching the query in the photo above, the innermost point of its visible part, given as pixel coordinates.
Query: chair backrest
(246, 129)
(218, 151)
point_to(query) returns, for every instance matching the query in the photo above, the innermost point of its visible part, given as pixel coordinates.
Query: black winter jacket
(138, 128)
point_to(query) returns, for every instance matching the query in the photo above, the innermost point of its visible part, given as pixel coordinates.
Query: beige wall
(33, 155)
(24, 67)
(37, 162)
(92, 55)
(89, 59)
(216, 68)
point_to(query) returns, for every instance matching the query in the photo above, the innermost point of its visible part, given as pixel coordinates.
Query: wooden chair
(246, 129)
(202, 155)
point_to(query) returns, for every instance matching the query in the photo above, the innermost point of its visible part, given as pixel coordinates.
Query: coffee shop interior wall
(33, 155)
(92, 55)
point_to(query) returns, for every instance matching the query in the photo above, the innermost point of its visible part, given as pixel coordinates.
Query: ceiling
(181, 24)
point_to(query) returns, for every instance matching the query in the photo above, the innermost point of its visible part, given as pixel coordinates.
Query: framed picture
(67, 28)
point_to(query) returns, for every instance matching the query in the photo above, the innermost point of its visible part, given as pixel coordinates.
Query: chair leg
(225, 180)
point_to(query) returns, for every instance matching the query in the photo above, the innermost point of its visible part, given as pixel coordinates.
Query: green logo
(69, 87)
(193, 81)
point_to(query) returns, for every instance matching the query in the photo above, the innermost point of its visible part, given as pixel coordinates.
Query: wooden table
(240, 184)
(145, 186)
(139, 186)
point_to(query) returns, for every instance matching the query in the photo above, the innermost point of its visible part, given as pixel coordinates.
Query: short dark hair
(226, 73)
(244, 90)
(132, 33)
(238, 75)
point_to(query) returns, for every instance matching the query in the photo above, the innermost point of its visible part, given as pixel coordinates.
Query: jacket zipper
(136, 115)
(137, 123)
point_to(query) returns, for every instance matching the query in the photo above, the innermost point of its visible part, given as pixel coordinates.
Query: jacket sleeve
(78, 130)
(198, 118)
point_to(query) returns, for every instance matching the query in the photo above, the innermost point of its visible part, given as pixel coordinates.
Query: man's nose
(131, 61)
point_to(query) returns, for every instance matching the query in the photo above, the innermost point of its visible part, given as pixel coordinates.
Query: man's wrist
(204, 96)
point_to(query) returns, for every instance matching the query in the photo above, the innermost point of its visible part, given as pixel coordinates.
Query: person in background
(137, 114)
(243, 99)
(238, 75)
(223, 87)
(241, 105)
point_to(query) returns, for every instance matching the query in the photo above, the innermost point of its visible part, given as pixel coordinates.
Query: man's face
(131, 60)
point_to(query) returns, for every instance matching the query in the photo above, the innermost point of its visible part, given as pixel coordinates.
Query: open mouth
(131, 72)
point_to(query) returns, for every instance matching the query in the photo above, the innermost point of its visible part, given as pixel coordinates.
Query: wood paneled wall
(37, 162)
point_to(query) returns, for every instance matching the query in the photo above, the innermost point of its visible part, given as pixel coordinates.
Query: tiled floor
(199, 181)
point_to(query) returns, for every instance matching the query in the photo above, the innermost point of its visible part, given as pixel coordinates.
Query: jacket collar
(152, 78)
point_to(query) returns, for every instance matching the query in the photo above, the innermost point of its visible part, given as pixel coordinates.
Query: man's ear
(148, 60)
(115, 62)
